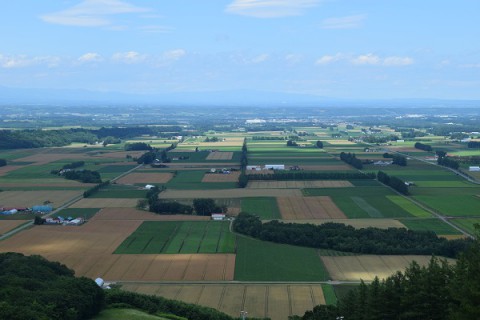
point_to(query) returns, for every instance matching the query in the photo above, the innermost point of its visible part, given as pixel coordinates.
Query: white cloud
(270, 8)
(260, 58)
(155, 29)
(471, 65)
(327, 59)
(129, 57)
(397, 61)
(21, 61)
(348, 22)
(90, 57)
(366, 59)
(92, 13)
(174, 54)
(293, 58)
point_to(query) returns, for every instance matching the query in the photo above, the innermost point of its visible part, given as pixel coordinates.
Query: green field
(329, 294)
(432, 224)
(119, 192)
(192, 180)
(453, 205)
(467, 224)
(409, 206)
(266, 261)
(264, 207)
(154, 237)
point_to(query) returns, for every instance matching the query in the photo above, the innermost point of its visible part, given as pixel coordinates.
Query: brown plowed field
(7, 225)
(276, 301)
(134, 214)
(298, 208)
(44, 158)
(105, 203)
(366, 267)
(87, 249)
(221, 177)
(220, 156)
(133, 178)
(6, 169)
(31, 198)
(298, 184)
(228, 193)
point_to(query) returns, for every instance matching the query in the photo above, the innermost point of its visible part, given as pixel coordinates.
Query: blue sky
(332, 48)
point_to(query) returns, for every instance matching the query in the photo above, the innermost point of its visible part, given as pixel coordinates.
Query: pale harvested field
(134, 214)
(221, 177)
(218, 155)
(132, 178)
(201, 165)
(366, 267)
(276, 301)
(116, 155)
(44, 158)
(7, 225)
(87, 249)
(105, 203)
(229, 142)
(344, 142)
(298, 184)
(228, 193)
(31, 198)
(297, 208)
(358, 223)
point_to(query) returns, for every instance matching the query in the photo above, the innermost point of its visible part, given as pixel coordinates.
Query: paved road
(65, 205)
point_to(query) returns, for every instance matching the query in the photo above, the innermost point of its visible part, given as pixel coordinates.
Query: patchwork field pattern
(133, 178)
(276, 301)
(220, 156)
(31, 198)
(96, 241)
(221, 177)
(155, 237)
(298, 184)
(297, 208)
(228, 193)
(366, 267)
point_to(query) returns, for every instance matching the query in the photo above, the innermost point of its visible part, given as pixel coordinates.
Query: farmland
(264, 207)
(298, 208)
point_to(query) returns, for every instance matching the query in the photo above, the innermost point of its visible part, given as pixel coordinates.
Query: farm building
(474, 168)
(149, 186)
(53, 221)
(9, 212)
(74, 222)
(256, 168)
(218, 216)
(275, 167)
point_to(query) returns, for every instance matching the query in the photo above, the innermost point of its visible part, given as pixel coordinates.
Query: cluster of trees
(337, 236)
(319, 144)
(74, 165)
(412, 133)
(18, 139)
(311, 175)
(351, 159)
(85, 176)
(446, 161)
(473, 144)
(399, 160)
(422, 146)
(3, 162)
(95, 189)
(34, 288)
(205, 207)
(291, 143)
(380, 139)
(438, 291)
(137, 146)
(393, 182)
(211, 139)
(169, 207)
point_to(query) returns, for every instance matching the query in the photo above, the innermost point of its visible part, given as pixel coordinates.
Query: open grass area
(154, 237)
(264, 207)
(453, 205)
(467, 224)
(192, 180)
(120, 191)
(126, 314)
(267, 261)
(432, 224)
(329, 294)
(409, 206)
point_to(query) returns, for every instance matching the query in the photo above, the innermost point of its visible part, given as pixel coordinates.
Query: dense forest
(34, 288)
(438, 291)
(337, 236)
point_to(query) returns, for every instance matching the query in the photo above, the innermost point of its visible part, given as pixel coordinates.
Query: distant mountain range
(210, 98)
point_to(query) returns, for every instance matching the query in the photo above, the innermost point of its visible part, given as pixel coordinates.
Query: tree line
(446, 161)
(473, 144)
(393, 182)
(437, 291)
(424, 147)
(351, 159)
(3, 162)
(337, 236)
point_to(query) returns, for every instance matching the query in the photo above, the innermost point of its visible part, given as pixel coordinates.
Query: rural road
(65, 205)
